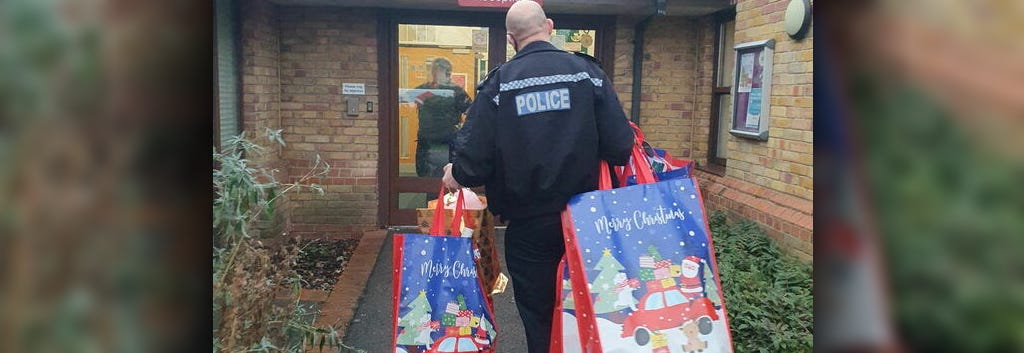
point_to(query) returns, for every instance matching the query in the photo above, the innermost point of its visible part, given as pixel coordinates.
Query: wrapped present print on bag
(452, 308)
(659, 343)
(448, 319)
(646, 274)
(646, 262)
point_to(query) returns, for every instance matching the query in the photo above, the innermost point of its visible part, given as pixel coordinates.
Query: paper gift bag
(481, 223)
(611, 237)
(439, 302)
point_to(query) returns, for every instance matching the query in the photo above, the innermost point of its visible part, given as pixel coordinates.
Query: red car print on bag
(667, 309)
(453, 342)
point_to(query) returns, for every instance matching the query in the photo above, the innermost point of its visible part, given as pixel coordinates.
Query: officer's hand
(448, 179)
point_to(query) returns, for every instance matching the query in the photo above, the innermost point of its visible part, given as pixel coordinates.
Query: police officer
(534, 136)
(439, 116)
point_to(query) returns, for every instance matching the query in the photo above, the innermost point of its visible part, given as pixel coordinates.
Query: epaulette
(588, 57)
(490, 74)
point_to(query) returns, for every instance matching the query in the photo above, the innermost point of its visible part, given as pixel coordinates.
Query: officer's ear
(511, 41)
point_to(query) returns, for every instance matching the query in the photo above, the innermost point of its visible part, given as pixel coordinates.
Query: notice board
(752, 89)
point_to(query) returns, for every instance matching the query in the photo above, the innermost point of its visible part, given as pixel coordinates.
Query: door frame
(388, 183)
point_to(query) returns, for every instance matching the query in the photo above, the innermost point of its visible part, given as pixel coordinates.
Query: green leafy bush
(948, 207)
(248, 275)
(767, 293)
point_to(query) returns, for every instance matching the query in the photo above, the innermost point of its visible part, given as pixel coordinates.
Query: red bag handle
(463, 213)
(644, 173)
(637, 133)
(556, 317)
(638, 162)
(437, 226)
(604, 181)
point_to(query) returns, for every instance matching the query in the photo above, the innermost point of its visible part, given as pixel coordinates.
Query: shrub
(247, 275)
(767, 294)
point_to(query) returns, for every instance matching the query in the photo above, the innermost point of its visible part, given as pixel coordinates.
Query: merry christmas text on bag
(481, 222)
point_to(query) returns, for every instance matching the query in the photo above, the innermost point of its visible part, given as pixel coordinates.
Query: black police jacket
(537, 130)
(439, 115)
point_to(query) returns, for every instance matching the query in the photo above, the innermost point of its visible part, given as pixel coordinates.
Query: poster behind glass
(752, 84)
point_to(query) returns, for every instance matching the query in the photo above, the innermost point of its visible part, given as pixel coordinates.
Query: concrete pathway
(370, 325)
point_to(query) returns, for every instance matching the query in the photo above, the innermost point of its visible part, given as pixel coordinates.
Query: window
(467, 345)
(227, 120)
(581, 40)
(721, 93)
(675, 297)
(655, 301)
(448, 345)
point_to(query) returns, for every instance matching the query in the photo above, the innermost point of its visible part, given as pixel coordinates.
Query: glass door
(433, 64)
(438, 67)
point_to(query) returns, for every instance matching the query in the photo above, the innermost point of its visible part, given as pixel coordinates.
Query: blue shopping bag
(642, 271)
(440, 304)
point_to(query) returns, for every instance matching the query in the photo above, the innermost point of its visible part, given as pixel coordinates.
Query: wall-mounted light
(798, 18)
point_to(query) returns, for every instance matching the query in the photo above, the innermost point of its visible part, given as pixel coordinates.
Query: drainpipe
(638, 58)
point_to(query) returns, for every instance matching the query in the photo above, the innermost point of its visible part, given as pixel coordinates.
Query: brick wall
(295, 59)
(668, 92)
(322, 47)
(668, 95)
(769, 182)
(260, 59)
(785, 162)
(623, 75)
(705, 83)
(261, 89)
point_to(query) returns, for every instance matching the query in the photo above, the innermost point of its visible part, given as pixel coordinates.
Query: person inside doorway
(440, 104)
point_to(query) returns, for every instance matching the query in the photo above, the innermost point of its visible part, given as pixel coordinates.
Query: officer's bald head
(526, 22)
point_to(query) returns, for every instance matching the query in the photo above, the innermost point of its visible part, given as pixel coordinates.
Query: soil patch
(322, 261)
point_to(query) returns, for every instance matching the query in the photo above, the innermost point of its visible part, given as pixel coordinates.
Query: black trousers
(533, 248)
